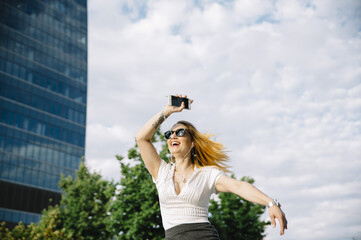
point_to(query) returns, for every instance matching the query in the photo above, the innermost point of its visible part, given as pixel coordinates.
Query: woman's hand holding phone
(176, 103)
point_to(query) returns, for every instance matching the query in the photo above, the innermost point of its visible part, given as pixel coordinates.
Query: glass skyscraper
(43, 95)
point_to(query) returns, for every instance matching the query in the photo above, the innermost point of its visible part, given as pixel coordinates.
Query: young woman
(196, 172)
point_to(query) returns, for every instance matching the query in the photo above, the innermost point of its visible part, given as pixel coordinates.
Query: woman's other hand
(276, 212)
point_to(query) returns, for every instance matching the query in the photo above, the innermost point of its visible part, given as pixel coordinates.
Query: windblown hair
(206, 152)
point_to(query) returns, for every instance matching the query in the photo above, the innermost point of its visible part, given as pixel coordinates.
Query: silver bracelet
(274, 202)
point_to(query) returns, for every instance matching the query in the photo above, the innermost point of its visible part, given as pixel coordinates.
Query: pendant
(184, 180)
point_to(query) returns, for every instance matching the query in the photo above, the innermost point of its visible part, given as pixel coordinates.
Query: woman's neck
(182, 164)
(180, 161)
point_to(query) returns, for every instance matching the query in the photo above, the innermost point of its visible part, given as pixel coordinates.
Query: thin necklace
(185, 178)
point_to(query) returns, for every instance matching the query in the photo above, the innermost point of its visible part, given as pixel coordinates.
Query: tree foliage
(94, 208)
(85, 206)
(236, 218)
(20, 232)
(136, 211)
(83, 212)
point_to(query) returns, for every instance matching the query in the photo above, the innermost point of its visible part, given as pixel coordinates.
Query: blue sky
(278, 83)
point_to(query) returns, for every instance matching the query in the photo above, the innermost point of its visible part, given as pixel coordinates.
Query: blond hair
(206, 152)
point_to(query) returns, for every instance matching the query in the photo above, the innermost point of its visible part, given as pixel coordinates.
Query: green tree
(49, 226)
(18, 233)
(236, 218)
(83, 212)
(85, 206)
(136, 212)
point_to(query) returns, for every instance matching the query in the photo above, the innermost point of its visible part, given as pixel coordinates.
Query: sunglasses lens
(180, 132)
(167, 134)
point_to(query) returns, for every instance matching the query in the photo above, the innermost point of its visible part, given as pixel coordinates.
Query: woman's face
(179, 145)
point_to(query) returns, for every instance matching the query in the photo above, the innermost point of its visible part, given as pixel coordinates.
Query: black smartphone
(177, 101)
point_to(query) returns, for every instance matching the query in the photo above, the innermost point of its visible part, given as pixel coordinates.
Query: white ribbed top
(191, 205)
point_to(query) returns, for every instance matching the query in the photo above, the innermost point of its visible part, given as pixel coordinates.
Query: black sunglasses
(179, 132)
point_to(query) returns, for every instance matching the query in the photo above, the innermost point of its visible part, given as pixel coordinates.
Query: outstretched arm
(146, 148)
(252, 194)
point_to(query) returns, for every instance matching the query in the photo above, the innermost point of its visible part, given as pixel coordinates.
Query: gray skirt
(192, 231)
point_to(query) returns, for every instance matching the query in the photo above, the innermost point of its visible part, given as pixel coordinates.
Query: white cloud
(252, 9)
(107, 167)
(277, 81)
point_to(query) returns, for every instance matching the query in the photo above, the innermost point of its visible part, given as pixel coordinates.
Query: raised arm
(252, 194)
(146, 148)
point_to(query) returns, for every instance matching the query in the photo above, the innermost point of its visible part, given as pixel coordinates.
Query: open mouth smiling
(174, 144)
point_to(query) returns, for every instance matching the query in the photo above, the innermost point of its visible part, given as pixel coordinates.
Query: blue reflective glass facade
(43, 94)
